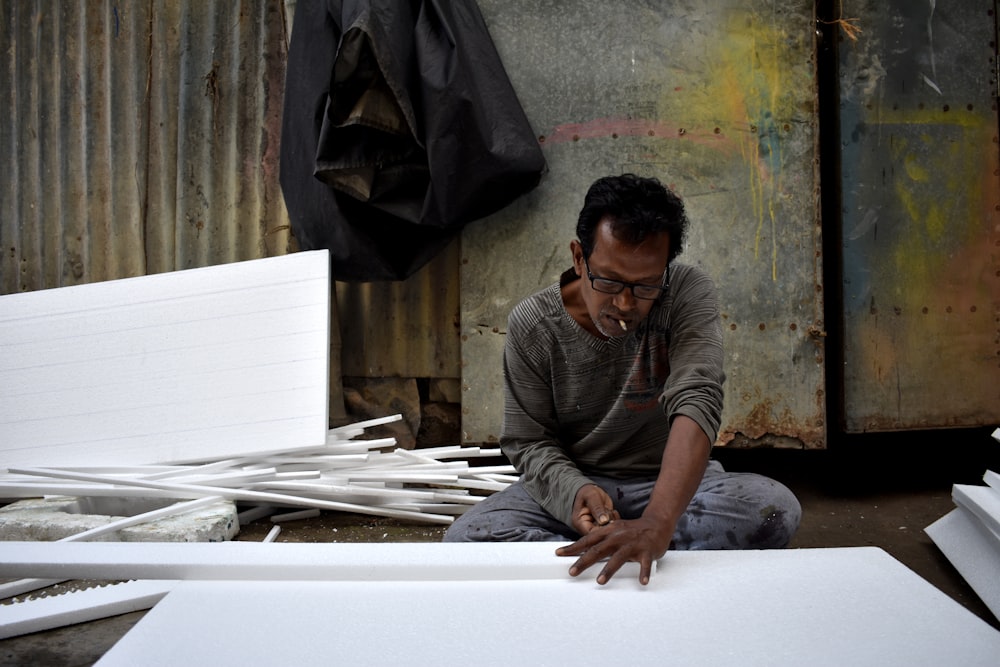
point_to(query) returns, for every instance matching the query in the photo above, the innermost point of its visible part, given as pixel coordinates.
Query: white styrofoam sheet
(974, 551)
(981, 501)
(194, 364)
(812, 607)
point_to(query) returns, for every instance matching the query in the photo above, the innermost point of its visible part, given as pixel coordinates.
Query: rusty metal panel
(405, 328)
(921, 228)
(718, 100)
(140, 137)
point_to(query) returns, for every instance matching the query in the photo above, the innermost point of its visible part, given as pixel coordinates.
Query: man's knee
(778, 520)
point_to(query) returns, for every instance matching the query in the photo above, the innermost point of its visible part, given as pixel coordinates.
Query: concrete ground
(871, 491)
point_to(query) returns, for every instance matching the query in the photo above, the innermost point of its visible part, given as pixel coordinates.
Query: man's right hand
(592, 508)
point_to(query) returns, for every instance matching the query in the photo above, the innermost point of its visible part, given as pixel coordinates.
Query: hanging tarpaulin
(400, 127)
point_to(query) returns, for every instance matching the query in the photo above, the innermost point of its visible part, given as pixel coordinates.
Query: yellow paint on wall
(937, 189)
(751, 88)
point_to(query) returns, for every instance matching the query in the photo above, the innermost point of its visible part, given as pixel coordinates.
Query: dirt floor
(874, 491)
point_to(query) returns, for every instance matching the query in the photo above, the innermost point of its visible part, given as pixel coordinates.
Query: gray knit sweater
(577, 405)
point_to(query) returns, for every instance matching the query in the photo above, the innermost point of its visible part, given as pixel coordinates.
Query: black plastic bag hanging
(400, 127)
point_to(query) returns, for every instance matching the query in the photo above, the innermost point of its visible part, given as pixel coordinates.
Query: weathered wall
(139, 137)
(142, 137)
(921, 228)
(717, 100)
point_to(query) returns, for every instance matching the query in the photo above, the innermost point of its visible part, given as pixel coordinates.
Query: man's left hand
(641, 540)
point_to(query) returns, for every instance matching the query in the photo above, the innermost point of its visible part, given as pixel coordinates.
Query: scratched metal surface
(138, 138)
(921, 229)
(718, 101)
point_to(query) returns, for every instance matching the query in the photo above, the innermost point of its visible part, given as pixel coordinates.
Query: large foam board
(194, 364)
(800, 607)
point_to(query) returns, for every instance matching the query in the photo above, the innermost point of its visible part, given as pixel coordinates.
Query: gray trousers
(728, 511)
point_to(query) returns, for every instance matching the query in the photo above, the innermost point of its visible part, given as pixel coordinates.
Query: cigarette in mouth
(622, 323)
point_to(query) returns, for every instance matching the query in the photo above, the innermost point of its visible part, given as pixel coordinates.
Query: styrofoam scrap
(973, 551)
(18, 586)
(996, 435)
(170, 471)
(38, 489)
(350, 472)
(254, 513)
(413, 477)
(377, 421)
(983, 502)
(294, 516)
(510, 479)
(436, 508)
(483, 485)
(125, 522)
(492, 470)
(234, 478)
(354, 446)
(359, 491)
(992, 480)
(78, 606)
(243, 494)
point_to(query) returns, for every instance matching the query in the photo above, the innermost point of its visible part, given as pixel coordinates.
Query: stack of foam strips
(428, 485)
(969, 536)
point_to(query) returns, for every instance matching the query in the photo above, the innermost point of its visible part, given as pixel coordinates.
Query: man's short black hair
(636, 207)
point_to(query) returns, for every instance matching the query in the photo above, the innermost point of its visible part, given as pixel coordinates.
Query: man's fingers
(577, 548)
(612, 566)
(645, 570)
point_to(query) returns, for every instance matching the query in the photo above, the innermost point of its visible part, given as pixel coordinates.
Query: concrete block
(55, 518)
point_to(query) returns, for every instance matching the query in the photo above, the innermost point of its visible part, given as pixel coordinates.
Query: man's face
(615, 315)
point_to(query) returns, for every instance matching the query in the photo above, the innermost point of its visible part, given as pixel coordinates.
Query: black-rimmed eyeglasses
(611, 286)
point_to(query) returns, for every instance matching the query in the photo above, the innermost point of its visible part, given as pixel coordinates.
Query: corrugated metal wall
(143, 137)
(139, 137)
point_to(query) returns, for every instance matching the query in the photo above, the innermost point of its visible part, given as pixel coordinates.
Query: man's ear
(577, 250)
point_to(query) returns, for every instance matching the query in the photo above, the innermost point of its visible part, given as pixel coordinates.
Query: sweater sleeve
(694, 388)
(529, 437)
